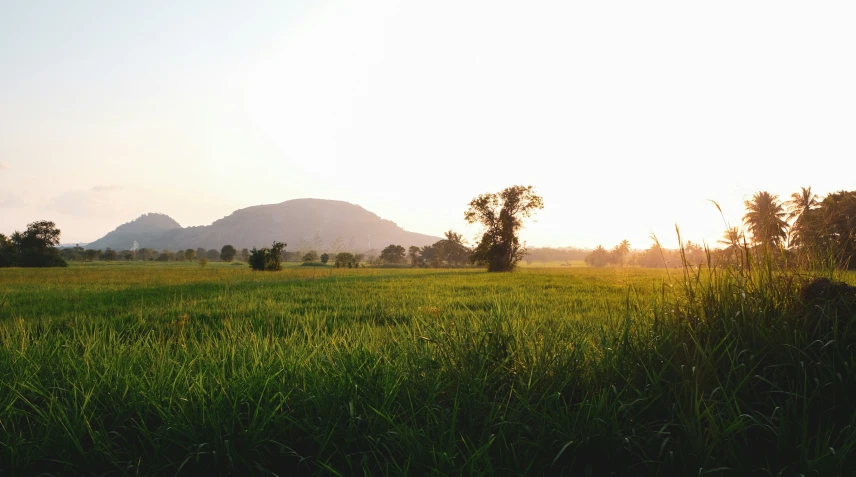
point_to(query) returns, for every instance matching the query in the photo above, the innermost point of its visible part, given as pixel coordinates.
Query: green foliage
(310, 256)
(501, 216)
(325, 257)
(267, 259)
(203, 262)
(36, 247)
(393, 254)
(765, 219)
(212, 255)
(227, 253)
(190, 255)
(598, 258)
(827, 232)
(109, 255)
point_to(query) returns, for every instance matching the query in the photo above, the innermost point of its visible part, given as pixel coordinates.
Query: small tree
(501, 214)
(203, 262)
(245, 254)
(110, 255)
(227, 253)
(413, 255)
(325, 257)
(269, 259)
(91, 254)
(344, 259)
(212, 254)
(201, 252)
(310, 256)
(190, 255)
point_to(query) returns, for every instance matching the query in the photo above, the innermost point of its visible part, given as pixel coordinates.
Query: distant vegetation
(804, 231)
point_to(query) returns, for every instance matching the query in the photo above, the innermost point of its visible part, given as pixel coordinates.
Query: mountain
(294, 222)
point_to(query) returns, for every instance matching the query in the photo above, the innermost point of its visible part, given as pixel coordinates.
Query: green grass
(165, 369)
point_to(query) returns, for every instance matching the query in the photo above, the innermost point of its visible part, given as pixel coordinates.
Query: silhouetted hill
(146, 228)
(292, 222)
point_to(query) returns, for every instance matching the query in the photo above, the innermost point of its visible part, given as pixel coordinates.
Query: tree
(618, 254)
(413, 255)
(430, 255)
(109, 255)
(190, 255)
(344, 259)
(91, 254)
(325, 257)
(732, 237)
(269, 259)
(245, 254)
(393, 254)
(829, 230)
(598, 257)
(227, 253)
(798, 206)
(36, 247)
(452, 250)
(765, 219)
(212, 254)
(7, 252)
(310, 256)
(201, 252)
(501, 215)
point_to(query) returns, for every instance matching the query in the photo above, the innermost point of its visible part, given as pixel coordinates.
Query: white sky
(626, 116)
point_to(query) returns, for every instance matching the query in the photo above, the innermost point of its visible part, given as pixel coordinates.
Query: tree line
(805, 231)
(499, 248)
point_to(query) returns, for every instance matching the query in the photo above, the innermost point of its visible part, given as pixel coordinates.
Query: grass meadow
(174, 369)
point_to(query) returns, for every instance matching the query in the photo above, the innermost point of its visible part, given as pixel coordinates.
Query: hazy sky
(626, 116)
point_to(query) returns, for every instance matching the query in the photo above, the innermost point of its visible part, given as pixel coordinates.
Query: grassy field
(172, 369)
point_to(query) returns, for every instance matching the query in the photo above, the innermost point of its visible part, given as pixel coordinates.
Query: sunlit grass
(157, 369)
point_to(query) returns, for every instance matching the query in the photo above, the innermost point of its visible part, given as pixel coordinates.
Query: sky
(628, 117)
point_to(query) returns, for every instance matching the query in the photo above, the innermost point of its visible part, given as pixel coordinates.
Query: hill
(294, 222)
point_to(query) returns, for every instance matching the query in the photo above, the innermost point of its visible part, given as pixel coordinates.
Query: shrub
(203, 262)
(269, 259)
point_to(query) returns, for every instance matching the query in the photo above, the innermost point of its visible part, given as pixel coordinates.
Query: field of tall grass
(171, 369)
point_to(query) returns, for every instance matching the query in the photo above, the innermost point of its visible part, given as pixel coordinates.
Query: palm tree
(453, 237)
(801, 202)
(731, 237)
(765, 219)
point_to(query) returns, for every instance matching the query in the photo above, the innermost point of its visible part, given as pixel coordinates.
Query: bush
(203, 262)
(267, 259)
(313, 264)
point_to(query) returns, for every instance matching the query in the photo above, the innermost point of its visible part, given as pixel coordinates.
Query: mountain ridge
(300, 223)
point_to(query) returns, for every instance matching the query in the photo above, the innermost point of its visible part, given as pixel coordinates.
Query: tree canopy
(501, 216)
(35, 247)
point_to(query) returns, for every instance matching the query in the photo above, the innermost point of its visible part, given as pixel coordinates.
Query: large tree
(501, 215)
(765, 219)
(227, 253)
(35, 247)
